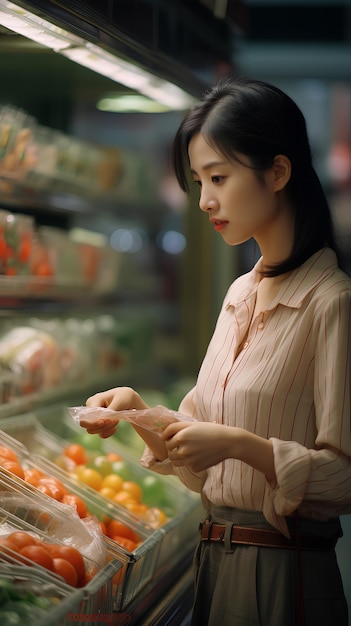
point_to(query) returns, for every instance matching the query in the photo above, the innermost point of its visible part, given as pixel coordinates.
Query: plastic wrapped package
(16, 244)
(52, 521)
(63, 255)
(24, 509)
(33, 356)
(41, 174)
(16, 143)
(20, 535)
(155, 419)
(100, 585)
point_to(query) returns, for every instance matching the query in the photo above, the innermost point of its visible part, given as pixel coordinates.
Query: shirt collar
(294, 287)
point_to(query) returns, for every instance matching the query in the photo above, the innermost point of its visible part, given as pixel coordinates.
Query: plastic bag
(155, 419)
(59, 522)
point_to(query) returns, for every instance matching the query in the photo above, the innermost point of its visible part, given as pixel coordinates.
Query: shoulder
(334, 284)
(332, 298)
(319, 278)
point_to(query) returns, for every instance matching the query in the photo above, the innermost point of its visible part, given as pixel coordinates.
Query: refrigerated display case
(61, 340)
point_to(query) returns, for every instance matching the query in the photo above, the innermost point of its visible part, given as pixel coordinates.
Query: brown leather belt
(265, 538)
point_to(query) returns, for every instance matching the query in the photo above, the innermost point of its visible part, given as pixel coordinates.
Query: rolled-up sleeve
(318, 480)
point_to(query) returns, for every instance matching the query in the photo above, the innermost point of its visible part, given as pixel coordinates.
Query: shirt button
(246, 345)
(260, 325)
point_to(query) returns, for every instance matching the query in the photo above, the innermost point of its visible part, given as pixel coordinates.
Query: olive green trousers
(240, 585)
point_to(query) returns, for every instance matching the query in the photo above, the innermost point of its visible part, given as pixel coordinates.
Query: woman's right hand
(122, 399)
(118, 399)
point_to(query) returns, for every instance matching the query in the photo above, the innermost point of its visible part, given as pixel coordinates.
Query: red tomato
(114, 527)
(57, 488)
(32, 476)
(7, 547)
(46, 489)
(39, 555)
(14, 468)
(77, 502)
(7, 453)
(73, 556)
(66, 570)
(76, 453)
(128, 544)
(21, 539)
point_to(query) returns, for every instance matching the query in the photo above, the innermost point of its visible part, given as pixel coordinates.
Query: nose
(207, 202)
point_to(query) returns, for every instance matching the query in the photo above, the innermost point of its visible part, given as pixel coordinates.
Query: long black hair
(253, 118)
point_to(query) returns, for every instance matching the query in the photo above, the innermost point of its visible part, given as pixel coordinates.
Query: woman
(270, 450)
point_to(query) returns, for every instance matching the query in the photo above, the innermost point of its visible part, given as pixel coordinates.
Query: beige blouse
(286, 376)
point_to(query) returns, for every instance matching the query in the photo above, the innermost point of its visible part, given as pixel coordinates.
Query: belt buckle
(209, 523)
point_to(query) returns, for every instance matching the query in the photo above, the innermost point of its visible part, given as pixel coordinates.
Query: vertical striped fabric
(286, 376)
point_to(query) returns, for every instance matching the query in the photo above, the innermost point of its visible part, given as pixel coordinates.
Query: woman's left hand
(198, 445)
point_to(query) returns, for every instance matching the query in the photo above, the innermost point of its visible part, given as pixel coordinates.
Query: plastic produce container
(138, 566)
(48, 521)
(64, 602)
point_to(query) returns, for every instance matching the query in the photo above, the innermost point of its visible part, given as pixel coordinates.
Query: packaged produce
(16, 244)
(30, 549)
(16, 142)
(33, 356)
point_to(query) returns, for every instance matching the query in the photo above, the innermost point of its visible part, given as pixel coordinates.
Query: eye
(217, 179)
(198, 183)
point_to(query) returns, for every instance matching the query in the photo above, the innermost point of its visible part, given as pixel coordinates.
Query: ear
(281, 172)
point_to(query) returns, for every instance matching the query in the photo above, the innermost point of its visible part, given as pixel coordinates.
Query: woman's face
(238, 203)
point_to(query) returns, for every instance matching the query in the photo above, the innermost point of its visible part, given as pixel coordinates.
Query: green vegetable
(20, 606)
(10, 618)
(26, 614)
(5, 590)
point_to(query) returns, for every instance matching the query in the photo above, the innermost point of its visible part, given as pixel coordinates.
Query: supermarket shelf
(23, 292)
(81, 388)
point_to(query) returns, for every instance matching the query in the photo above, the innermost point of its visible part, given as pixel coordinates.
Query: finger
(172, 429)
(108, 433)
(176, 453)
(98, 425)
(103, 428)
(96, 401)
(172, 452)
(171, 444)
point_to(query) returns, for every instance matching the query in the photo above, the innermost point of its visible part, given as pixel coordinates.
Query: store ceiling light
(132, 76)
(33, 27)
(130, 103)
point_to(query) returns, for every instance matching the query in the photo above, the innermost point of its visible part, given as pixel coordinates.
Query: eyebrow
(209, 166)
